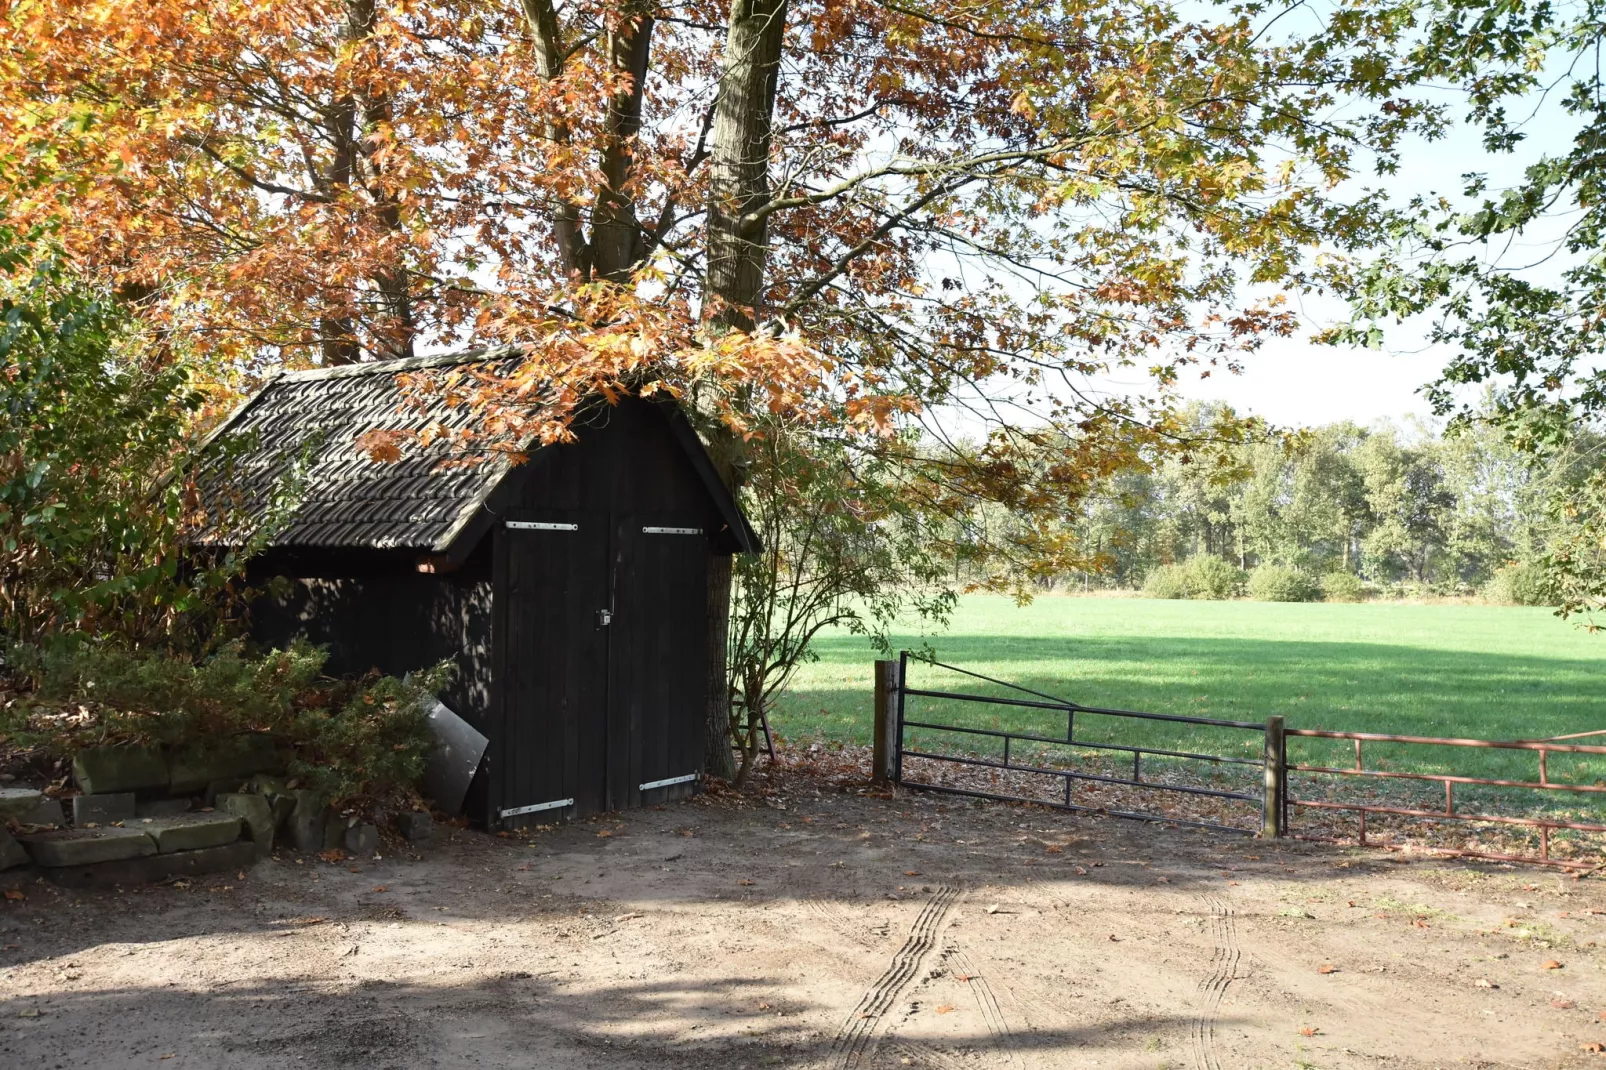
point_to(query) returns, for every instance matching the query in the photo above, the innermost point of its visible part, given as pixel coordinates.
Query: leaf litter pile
(849, 765)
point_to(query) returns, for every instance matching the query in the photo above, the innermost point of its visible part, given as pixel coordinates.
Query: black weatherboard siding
(570, 590)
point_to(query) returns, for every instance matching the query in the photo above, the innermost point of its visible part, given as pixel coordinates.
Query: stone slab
(162, 808)
(153, 868)
(83, 847)
(237, 759)
(361, 840)
(11, 852)
(257, 814)
(306, 823)
(415, 826)
(107, 770)
(15, 802)
(334, 832)
(45, 811)
(102, 809)
(191, 832)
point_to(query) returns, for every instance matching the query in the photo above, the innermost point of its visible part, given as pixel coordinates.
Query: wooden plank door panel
(657, 656)
(554, 661)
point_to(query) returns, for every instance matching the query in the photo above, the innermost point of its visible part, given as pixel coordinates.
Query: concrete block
(15, 802)
(82, 847)
(334, 832)
(361, 840)
(11, 852)
(192, 769)
(226, 786)
(162, 808)
(102, 809)
(283, 807)
(234, 856)
(304, 827)
(415, 826)
(108, 770)
(257, 815)
(191, 832)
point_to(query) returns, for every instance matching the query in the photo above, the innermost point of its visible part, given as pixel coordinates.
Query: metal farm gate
(1059, 753)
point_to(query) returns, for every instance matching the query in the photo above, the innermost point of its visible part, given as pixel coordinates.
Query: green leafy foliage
(96, 427)
(1343, 587)
(1521, 583)
(356, 740)
(1279, 583)
(1167, 581)
(1203, 576)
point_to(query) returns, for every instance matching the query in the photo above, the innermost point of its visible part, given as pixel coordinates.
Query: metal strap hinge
(555, 804)
(687, 779)
(539, 525)
(672, 531)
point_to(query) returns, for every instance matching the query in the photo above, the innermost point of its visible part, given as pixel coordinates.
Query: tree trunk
(738, 183)
(716, 749)
(615, 232)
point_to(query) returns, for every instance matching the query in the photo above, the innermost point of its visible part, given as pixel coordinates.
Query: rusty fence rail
(1543, 748)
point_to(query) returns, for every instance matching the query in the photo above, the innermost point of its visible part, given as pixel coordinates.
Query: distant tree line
(1340, 511)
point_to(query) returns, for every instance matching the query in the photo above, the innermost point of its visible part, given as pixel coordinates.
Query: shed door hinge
(672, 531)
(555, 804)
(539, 525)
(687, 779)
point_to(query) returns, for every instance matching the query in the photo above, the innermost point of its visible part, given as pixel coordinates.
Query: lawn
(1437, 670)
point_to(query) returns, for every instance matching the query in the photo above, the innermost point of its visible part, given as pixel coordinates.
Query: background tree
(939, 216)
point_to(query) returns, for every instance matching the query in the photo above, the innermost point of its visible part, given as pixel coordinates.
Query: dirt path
(843, 931)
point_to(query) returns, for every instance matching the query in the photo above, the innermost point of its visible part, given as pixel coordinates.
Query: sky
(1292, 382)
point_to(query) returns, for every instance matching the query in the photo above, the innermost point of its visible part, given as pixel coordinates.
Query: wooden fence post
(884, 758)
(1271, 821)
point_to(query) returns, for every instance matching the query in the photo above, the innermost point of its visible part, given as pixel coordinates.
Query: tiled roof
(302, 429)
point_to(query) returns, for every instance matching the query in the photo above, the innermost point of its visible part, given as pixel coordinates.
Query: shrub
(1519, 584)
(1343, 587)
(1166, 581)
(1208, 576)
(356, 740)
(1279, 583)
(1200, 576)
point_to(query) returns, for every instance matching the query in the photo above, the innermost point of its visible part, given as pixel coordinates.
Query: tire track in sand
(986, 1002)
(856, 1037)
(1223, 969)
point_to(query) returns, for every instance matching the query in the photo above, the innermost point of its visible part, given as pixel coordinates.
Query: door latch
(604, 617)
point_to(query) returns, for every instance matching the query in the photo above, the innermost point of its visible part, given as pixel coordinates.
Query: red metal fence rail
(1543, 747)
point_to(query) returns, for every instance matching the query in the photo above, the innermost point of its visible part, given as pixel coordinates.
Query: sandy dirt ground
(818, 927)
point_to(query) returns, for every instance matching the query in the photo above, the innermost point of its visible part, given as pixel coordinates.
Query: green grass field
(1436, 670)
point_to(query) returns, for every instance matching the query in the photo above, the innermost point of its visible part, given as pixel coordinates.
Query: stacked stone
(133, 821)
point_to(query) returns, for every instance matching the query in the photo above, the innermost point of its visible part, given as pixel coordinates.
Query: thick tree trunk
(717, 758)
(615, 233)
(738, 184)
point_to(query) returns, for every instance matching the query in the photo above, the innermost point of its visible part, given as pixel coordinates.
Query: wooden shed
(570, 589)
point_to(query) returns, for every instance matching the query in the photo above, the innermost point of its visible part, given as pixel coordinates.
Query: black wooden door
(657, 661)
(554, 742)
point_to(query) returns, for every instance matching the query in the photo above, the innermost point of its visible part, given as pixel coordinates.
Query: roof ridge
(401, 364)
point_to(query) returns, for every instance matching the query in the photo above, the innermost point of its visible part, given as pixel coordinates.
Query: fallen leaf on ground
(1593, 1045)
(1309, 1031)
(1162, 880)
(1563, 1004)
(946, 1008)
(15, 895)
(605, 833)
(1080, 871)
(334, 854)
(1053, 849)
(911, 873)
(1551, 964)
(31, 1012)
(1484, 982)
(1327, 967)
(993, 909)
(379, 888)
(964, 977)
(744, 881)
